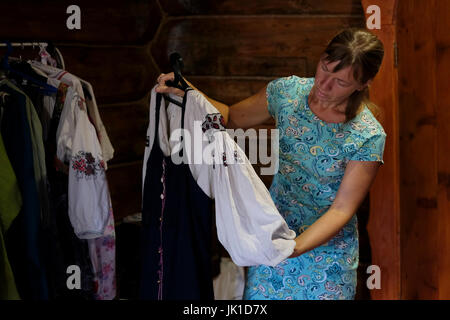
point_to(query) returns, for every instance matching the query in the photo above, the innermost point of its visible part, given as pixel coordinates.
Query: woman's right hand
(163, 88)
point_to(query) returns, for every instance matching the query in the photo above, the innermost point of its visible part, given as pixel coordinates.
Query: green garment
(40, 171)
(10, 204)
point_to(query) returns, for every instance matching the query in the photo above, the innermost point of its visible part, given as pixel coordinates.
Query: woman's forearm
(322, 230)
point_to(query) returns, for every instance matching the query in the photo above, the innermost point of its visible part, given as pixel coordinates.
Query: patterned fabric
(103, 256)
(312, 159)
(86, 166)
(213, 121)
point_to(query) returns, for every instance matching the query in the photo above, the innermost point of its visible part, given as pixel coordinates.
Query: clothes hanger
(56, 54)
(45, 88)
(4, 96)
(177, 65)
(46, 57)
(86, 92)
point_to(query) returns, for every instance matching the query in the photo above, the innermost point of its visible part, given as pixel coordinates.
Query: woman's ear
(368, 83)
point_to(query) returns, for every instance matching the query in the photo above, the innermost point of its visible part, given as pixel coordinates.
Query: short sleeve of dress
(371, 149)
(282, 92)
(271, 97)
(277, 92)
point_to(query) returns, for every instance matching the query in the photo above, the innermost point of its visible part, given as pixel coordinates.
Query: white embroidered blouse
(249, 225)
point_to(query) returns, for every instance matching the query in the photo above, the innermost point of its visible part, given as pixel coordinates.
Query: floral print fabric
(103, 256)
(312, 159)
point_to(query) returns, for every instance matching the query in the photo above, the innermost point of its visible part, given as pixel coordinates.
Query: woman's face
(335, 87)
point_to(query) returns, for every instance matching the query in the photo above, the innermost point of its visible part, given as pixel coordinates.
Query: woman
(331, 147)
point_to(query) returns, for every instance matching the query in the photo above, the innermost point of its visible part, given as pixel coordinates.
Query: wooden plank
(443, 140)
(117, 74)
(384, 220)
(125, 185)
(418, 150)
(180, 7)
(259, 43)
(262, 66)
(126, 125)
(227, 90)
(102, 22)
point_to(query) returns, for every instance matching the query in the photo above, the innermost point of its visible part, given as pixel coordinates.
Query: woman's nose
(325, 84)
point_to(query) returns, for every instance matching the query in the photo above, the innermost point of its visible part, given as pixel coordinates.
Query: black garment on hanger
(176, 233)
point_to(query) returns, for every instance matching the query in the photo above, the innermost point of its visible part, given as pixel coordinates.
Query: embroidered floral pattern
(213, 121)
(86, 166)
(237, 159)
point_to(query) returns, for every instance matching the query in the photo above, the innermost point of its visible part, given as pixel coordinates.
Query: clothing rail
(24, 44)
(43, 45)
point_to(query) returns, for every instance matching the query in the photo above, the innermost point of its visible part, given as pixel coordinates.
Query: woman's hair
(364, 52)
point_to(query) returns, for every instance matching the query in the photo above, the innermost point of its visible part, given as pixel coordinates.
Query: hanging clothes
(96, 257)
(48, 104)
(86, 91)
(176, 231)
(78, 221)
(78, 145)
(230, 283)
(176, 209)
(23, 239)
(64, 248)
(101, 248)
(40, 171)
(10, 204)
(102, 251)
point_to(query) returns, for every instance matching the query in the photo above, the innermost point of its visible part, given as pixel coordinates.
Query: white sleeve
(66, 127)
(88, 188)
(105, 143)
(249, 225)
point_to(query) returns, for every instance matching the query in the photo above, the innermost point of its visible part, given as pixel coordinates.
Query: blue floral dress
(312, 159)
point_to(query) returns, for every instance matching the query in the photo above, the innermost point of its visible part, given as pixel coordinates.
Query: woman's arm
(250, 112)
(358, 177)
(244, 114)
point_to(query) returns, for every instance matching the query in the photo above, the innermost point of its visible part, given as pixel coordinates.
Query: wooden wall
(384, 223)
(424, 100)
(410, 210)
